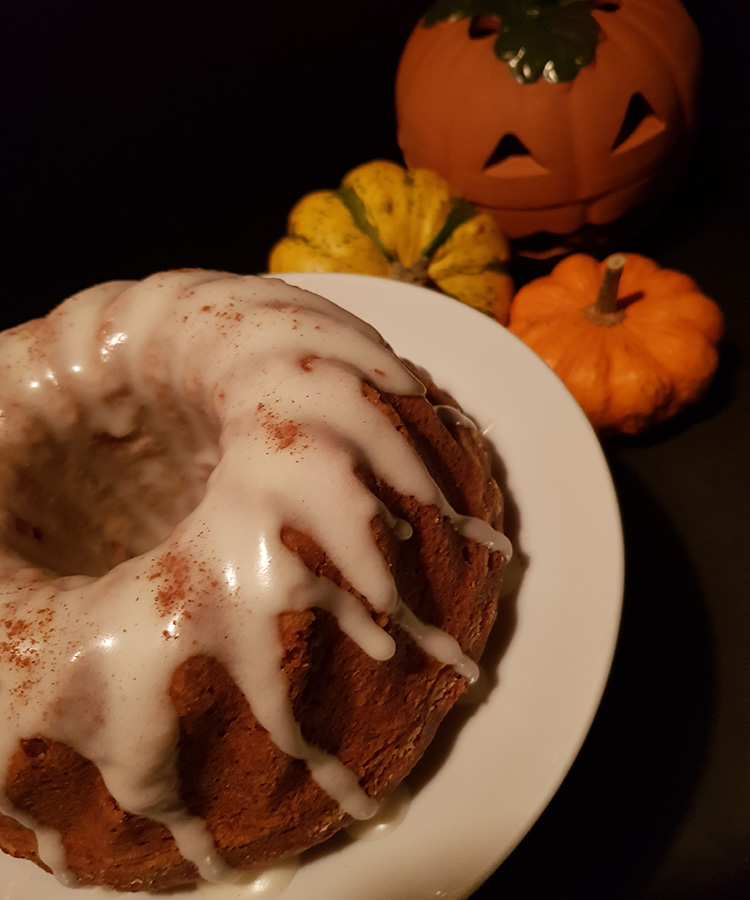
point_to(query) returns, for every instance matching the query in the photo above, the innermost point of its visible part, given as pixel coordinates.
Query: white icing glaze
(252, 417)
(452, 416)
(391, 813)
(52, 850)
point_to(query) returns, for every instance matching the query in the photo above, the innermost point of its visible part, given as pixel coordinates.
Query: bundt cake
(248, 561)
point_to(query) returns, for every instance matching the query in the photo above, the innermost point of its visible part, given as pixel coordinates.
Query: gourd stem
(606, 300)
(414, 274)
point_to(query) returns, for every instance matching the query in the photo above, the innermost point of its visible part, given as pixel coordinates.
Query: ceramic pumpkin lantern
(560, 117)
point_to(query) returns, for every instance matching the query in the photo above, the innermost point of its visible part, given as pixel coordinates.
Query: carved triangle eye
(511, 158)
(639, 124)
(507, 146)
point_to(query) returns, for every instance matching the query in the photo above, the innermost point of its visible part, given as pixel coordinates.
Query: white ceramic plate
(483, 784)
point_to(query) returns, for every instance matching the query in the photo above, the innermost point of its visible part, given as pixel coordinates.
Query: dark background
(143, 136)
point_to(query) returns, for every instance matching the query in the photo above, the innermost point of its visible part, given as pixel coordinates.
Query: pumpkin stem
(604, 311)
(414, 274)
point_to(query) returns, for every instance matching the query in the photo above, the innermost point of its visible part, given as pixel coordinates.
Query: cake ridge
(256, 375)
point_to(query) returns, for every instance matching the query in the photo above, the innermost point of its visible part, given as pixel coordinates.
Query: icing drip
(391, 813)
(452, 416)
(179, 545)
(52, 850)
(478, 530)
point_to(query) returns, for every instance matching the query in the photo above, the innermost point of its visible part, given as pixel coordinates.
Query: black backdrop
(141, 136)
(151, 135)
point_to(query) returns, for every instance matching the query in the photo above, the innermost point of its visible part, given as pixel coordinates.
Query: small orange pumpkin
(633, 342)
(559, 117)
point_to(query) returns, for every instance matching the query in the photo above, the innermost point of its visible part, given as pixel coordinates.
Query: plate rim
(441, 308)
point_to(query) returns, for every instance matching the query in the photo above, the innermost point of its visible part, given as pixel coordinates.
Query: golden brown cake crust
(376, 716)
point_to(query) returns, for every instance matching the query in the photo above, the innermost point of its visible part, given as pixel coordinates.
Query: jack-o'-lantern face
(541, 151)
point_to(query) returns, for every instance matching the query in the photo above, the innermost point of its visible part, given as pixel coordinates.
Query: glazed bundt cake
(248, 561)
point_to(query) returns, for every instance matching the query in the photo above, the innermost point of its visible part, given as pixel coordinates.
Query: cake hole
(83, 502)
